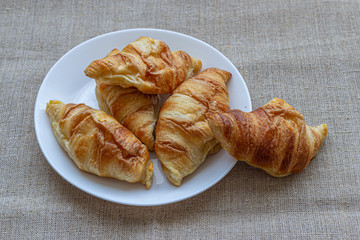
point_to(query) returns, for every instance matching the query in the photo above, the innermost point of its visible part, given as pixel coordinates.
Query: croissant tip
(147, 177)
(148, 184)
(175, 182)
(90, 71)
(197, 65)
(324, 129)
(51, 103)
(223, 73)
(174, 178)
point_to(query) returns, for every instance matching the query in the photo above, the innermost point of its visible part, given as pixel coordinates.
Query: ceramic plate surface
(67, 82)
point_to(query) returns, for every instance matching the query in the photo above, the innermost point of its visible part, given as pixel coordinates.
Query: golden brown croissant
(146, 64)
(273, 137)
(135, 110)
(99, 144)
(183, 138)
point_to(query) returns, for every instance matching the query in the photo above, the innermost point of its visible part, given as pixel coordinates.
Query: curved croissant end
(146, 64)
(273, 137)
(98, 144)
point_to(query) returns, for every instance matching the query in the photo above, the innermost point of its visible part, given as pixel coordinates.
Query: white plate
(67, 82)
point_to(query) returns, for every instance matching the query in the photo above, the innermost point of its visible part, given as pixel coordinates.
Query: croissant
(183, 138)
(135, 110)
(146, 64)
(98, 144)
(273, 137)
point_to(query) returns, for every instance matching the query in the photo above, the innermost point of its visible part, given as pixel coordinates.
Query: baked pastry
(273, 137)
(146, 64)
(183, 138)
(135, 110)
(98, 144)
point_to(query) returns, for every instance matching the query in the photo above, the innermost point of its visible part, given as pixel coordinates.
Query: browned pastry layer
(146, 64)
(135, 110)
(273, 137)
(183, 138)
(98, 144)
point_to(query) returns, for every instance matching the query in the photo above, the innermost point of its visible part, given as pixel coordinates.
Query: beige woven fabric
(304, 51)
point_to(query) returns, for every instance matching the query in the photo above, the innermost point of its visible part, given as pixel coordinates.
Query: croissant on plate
(273, 137)
(183, 137)
(146, 64)
(98, 144)
(135, 110)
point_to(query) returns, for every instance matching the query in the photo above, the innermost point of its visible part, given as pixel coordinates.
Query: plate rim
(36, 110)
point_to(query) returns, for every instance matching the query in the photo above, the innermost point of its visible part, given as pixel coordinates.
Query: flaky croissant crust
(146, 64)
(273, 137)
(183, 138)
(98, 144)
(135, 110)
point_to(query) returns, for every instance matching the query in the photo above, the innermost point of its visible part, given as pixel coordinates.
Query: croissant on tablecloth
(273, 137)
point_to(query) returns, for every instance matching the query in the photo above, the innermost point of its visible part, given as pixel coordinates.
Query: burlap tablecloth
(306, 52)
